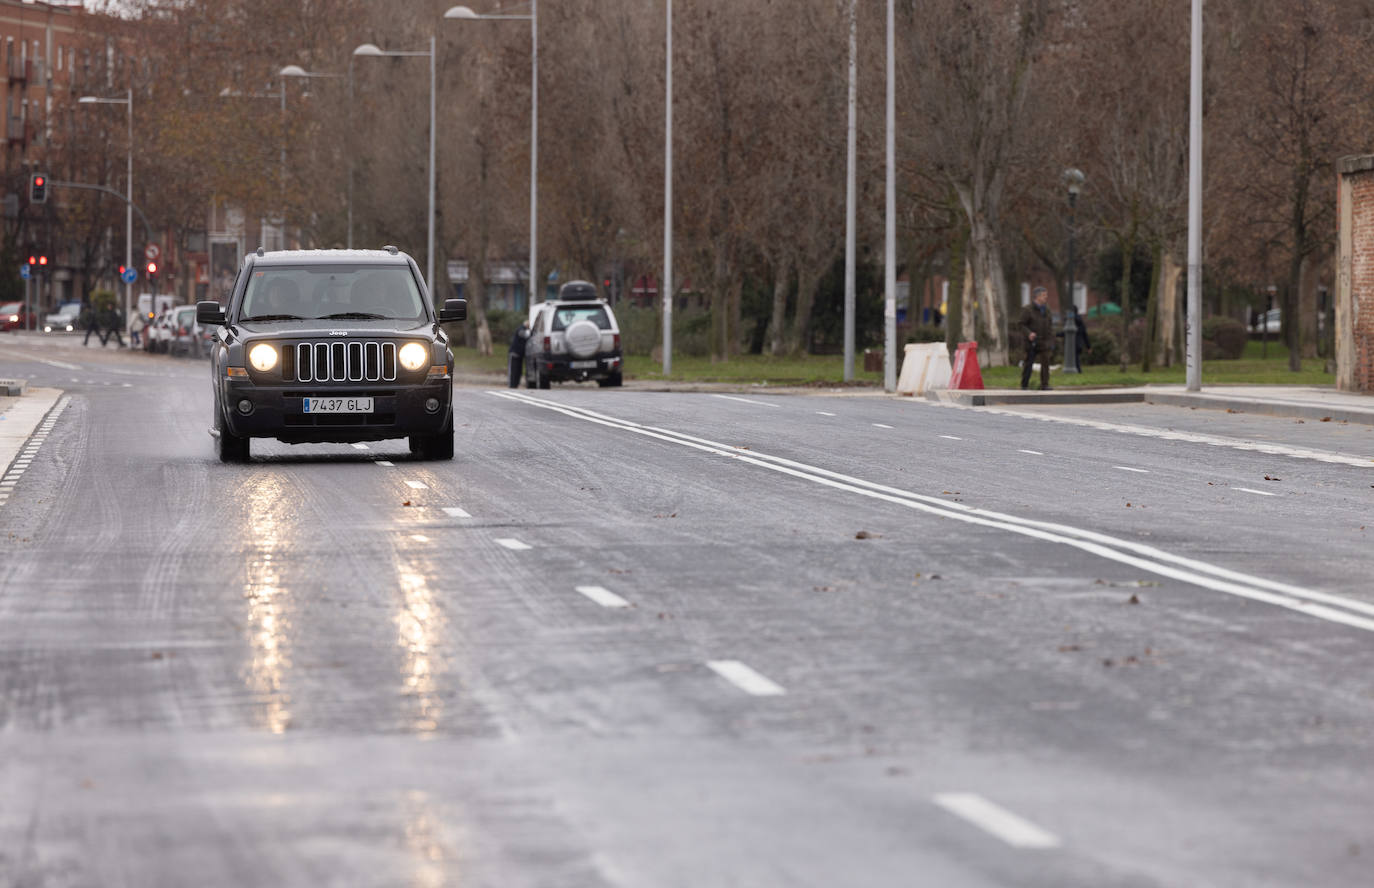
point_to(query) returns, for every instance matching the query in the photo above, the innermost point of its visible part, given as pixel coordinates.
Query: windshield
(333, 292)
(566, 316)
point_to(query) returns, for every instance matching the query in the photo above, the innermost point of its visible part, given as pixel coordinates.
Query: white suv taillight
(615, 341)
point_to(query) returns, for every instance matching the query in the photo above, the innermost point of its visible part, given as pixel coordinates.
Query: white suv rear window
(566, 316)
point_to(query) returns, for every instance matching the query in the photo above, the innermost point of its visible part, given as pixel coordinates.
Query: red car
(13, 317)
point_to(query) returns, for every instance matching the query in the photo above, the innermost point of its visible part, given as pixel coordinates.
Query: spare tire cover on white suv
(584, 338)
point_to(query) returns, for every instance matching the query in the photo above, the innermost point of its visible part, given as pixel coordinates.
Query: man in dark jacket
(517, 353)
(1037, 325)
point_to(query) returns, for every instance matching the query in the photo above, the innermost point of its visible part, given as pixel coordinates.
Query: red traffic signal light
(33, 260)
(152, 268)
(42, 260)
(38, 188)
(121, 269)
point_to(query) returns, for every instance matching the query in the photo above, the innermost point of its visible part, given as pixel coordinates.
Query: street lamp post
(1074, 178)
(1194, 325)
(667, 283)
(128, 101)
(463, 12)
(890, 275)
(849, 195)
(370, 49)
(298, 71)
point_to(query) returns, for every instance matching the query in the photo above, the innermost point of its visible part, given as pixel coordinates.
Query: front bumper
(398, 411)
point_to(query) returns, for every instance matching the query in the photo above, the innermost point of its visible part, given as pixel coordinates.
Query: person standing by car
(517, 353)
(1037, 325)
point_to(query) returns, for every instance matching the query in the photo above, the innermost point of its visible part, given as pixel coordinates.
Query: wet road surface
(642, 639)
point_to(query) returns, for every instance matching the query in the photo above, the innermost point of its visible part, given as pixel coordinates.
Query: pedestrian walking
(136, 325)
(92, 325)
(517, 353)
(1037, 325)
(114, 320)
(1081, 343)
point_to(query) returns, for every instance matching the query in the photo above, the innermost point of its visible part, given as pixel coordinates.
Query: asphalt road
(670, 639)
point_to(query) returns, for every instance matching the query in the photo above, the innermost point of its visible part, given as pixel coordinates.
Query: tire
(530, 381)
(542, 380)
(438, 446)
(232, 448)
(615, 380)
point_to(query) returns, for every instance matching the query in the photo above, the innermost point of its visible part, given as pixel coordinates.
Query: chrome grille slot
(341, 362)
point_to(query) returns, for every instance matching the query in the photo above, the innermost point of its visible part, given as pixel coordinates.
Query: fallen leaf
(157, 655)
(1300, 421)
(1132, 659)
(406, 503)
(1134, 599)
(937, 576)
(1229, 410)
(862, 535)
(1272, 478)
(1128, 505)
(1326, 419)
(1108, 663)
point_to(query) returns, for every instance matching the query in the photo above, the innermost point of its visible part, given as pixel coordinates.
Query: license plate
(582, 365)
(337, 405)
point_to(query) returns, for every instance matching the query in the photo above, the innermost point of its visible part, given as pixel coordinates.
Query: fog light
(245, 406)
(431, 404)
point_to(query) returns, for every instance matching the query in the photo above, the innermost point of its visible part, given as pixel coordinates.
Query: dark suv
(331, 345)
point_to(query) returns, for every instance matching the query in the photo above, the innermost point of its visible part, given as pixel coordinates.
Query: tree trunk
(968, 326)
(782, 273)
(1148, 347)
(1127, 255)
(954, 316)
(807, 282)
(1166, 353)
(989, 279)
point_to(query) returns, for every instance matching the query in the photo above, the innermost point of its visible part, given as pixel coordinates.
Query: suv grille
(339, 362)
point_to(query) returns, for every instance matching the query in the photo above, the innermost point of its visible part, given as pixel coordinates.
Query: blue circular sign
(129, 276)
(24, 271)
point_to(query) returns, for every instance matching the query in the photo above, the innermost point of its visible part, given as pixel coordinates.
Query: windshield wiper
(355, 316)
(276, 317)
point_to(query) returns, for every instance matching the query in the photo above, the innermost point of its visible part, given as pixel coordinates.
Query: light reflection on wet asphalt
(269, 621)
(419, 628)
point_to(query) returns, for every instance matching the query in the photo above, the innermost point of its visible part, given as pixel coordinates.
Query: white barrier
(925, 366)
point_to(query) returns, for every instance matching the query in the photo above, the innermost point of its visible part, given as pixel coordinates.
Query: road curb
(986, 398)
(1288, 409)
(21, 419)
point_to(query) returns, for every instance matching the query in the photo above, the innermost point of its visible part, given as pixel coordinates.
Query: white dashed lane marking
(1031, 452)
(746, 400)
(417, 485)
(386, 463)
(952, 437)
(996, 820)
(419, 538)
(823, 413)
(513, 544)
(603, 596)
(455, 512)
(358, 445)
(1256, 492)
(745, 678)
(1129, 469)
(878, 425)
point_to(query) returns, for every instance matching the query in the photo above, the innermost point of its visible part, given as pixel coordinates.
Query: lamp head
(1074, 178)
(293, 71)
(461, 12)
(368, 49)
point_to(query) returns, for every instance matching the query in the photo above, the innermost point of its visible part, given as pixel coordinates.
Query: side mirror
(453, 310)
(210, 314)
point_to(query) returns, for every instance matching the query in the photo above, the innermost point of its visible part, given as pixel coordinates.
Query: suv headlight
(263, 357)
(413, 356)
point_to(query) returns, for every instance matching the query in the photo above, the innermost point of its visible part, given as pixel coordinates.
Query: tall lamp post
(463, 12)
(371, 50)
(1194, 326)
(667, 282)
(890, 275)
(128, 101)
(1074, 178)
(298, 71)
(849, 198)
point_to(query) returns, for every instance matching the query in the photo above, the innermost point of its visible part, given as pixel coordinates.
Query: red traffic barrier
(966, 374)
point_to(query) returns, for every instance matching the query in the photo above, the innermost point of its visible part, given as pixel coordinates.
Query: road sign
(129, 276)
(24, 271)
(152, 251)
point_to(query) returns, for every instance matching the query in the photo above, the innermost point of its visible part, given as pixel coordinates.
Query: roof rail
(391, 249)
(259, 250)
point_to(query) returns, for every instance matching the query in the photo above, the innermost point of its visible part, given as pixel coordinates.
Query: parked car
(64, 319)
(13, 317)
(573, 338)
(1271, 322)
(184, 332)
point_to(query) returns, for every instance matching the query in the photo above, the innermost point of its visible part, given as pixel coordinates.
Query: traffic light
(42, 259)
(152, 270)
(38, 188)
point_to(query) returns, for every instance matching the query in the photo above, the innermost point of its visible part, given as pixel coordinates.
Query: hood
(316, 329)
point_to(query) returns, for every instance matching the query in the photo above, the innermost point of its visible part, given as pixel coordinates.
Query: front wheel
(438, 446)
(231, 447)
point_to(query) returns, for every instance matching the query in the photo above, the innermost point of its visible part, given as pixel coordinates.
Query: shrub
(1105, 336)
(925, 333)
(503, 325)
(641, 330)
(1223, 338)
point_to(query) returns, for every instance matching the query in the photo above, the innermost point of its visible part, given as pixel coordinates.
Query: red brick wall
(1362, 277)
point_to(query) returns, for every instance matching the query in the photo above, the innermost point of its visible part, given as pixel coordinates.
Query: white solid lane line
(746, 400)
(952, 437)
(455, 512)
(386, 463)
(603, 596)
(823, 413)
(1031, 452)
(1252, 490)
(513, 544)
(879, 425)
(359, 445)
(1129, 469)
(745, 678)
(996, 820)
(1311, 602)
(417, 485)
(419, 538)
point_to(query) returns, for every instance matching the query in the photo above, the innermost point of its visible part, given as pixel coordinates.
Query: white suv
(576, 338)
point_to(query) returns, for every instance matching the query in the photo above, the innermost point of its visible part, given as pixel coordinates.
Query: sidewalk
(1291, 401)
